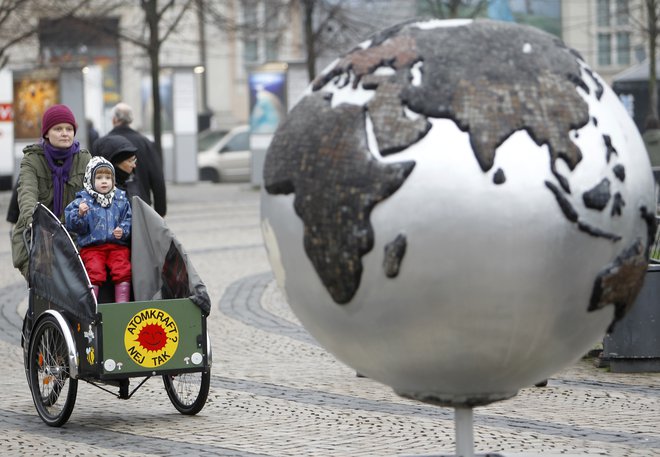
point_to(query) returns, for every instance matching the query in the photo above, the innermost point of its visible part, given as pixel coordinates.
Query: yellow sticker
(90, 355)
(151, 338)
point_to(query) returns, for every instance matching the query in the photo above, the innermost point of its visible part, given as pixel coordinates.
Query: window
(251, 30)
(614, 32)
(240, 142)
(272, 30)
(604, 49)
(623, 48)
(603, 13)
(208, 138)
(272, 49)
(271, 16)
(622, 12)
(250, 14)
(262, 29)
(251, 50)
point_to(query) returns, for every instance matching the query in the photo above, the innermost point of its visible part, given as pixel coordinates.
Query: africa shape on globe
(490, 165)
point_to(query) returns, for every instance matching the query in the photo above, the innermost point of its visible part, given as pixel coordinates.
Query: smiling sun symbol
(152, 337)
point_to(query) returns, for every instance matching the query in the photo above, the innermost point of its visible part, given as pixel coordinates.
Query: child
(101, 216)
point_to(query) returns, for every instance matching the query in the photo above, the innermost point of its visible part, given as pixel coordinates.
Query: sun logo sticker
(151, 338)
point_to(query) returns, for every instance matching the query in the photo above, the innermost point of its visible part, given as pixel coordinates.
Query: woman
(121, 154)
(51, 173)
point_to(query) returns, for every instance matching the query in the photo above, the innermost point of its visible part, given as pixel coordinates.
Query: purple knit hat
(57, 114)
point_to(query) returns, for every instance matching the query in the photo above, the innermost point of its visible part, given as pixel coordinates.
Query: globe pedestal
(464, 424)
(464, 427)
(463, 415)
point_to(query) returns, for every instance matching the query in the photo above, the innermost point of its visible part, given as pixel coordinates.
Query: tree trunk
(151, 12)
(653, 34)
(308, 7)
(453, 8)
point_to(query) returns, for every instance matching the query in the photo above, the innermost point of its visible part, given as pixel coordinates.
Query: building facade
(227, 39)
(609, 34)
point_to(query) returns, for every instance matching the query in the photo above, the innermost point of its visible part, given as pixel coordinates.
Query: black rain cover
(161, 268)
(56, 272)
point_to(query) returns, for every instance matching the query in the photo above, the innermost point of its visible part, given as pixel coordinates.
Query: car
(207, 138)
(224, 157)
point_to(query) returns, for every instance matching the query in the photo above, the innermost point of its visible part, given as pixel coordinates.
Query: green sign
(145, 337)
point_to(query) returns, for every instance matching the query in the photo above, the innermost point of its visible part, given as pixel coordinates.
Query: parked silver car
(224, 157)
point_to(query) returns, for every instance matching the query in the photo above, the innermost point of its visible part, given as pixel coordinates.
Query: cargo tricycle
(70, 335)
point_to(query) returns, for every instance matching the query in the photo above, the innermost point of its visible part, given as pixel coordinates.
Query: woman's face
(61, 135)
(127, 165)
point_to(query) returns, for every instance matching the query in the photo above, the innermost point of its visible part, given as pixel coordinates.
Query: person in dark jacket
(92, 134)
(101, 217)
(122, 155)
(13, 211)
(149, 171)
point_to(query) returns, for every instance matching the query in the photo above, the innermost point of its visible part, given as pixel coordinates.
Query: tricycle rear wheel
(53, 390)
(188, 391)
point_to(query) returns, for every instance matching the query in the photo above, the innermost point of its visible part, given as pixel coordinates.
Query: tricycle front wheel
(53, 390)
(188, 391)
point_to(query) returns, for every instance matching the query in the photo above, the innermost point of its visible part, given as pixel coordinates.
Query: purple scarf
(60, 171)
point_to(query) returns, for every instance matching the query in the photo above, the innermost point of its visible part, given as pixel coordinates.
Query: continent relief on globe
(320, 153)
(336, 181)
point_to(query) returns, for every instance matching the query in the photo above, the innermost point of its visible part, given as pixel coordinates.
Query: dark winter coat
(149, 170)
(36, 185)
(12, 211)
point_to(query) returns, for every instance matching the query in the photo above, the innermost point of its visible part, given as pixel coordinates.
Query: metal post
(464, 432)
(201, 26)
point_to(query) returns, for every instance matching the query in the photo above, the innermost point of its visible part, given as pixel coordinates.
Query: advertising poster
(544, 14)
(6, 129)
(33, 94)
(268, 94)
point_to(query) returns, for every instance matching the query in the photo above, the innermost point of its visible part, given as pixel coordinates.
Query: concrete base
(635, 365)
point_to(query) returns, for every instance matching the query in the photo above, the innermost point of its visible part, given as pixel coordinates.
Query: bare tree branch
(7, 9)
(17, 27)
(184, 9)
(169, 5)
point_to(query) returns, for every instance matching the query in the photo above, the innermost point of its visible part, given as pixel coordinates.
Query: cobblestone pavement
(276, 392)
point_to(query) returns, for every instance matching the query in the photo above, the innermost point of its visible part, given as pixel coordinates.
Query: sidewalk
(276, 392)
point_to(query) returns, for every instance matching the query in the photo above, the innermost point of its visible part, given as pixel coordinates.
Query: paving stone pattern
(276, 392)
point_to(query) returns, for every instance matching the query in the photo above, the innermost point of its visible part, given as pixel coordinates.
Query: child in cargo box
(101, 216)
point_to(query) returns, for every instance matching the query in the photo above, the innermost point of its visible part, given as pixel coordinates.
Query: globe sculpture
(458, 209)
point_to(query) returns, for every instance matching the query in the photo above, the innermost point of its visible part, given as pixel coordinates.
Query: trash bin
(634, 345)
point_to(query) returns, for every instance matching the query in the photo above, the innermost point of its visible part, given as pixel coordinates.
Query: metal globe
(458, 209)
